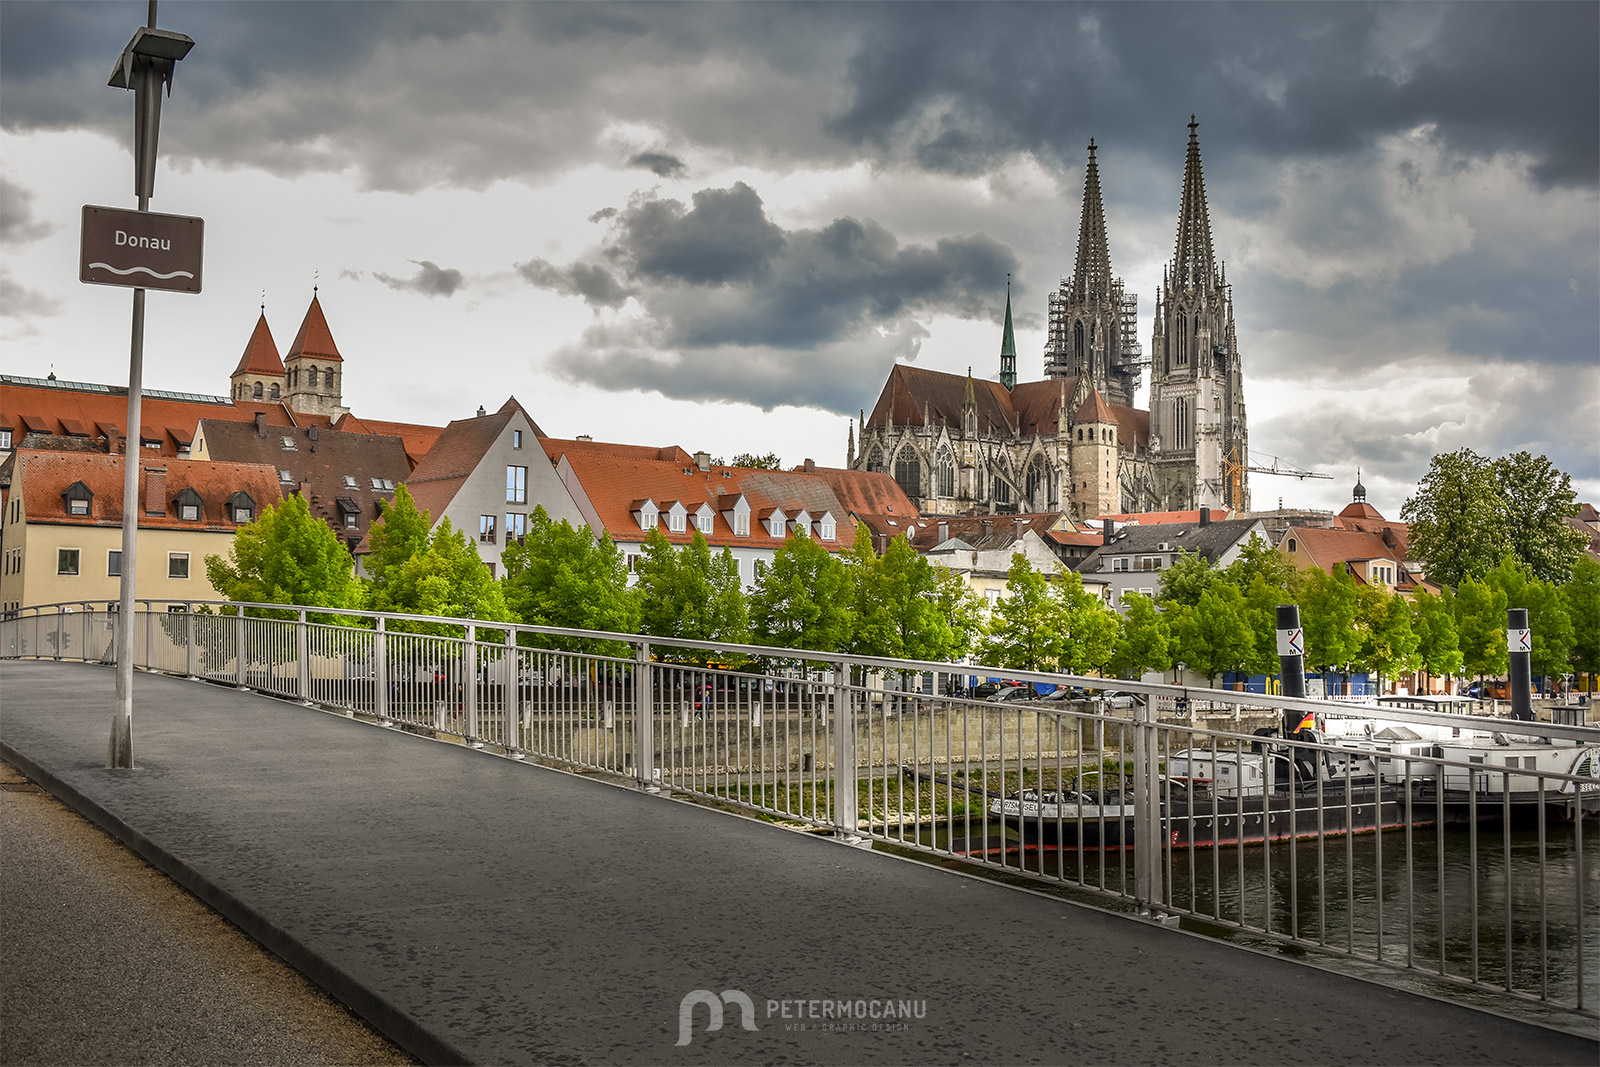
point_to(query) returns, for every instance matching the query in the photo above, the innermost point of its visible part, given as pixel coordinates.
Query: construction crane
(1236, 471)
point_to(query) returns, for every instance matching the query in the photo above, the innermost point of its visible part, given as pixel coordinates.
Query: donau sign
(140, 249)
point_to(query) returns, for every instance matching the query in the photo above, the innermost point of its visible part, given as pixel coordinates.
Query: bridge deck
(480, 910)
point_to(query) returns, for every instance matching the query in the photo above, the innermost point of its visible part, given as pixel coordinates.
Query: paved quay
(477, 910)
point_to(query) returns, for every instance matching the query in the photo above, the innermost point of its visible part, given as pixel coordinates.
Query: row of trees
(1215, 620)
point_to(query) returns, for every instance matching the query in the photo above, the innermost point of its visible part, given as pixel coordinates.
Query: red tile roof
(315, 339)
(48, 407)
(615, 478)
(1094, 409)
(917, 396)
(44, 476)
(1163, 518)
(555, 447)
(1330, 548)
(867, 492)
(417, 437)
(261, 353)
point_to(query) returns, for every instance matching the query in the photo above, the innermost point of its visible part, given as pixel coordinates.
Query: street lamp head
(150, 43)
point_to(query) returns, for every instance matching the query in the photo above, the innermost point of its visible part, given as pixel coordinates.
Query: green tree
(1538, 501)
(1582, 594)
(398, 535)
(1328, 605)
(802, 599)
(691, 592)
(1213, 635)
(1025, 626)
(1388, 644)
(1481, 624)
(961, 606)
(287, 556)
(1260, 609)
(561, 576)
(446, 579)
(1438, 644)
(1182, 583)
(1258, 559)
(1458, 518)
(1553, 636)
(1088, 639)
(1144, 643)
(768, 461)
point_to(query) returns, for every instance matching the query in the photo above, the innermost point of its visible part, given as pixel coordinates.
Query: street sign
(1519, 640)
(141, 249)
(1292, 642)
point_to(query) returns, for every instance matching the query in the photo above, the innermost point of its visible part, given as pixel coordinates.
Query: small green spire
(1008, 347)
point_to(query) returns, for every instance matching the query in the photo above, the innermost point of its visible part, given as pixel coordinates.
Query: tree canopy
(691, 592)
(287, 556)
(561, 576)
(802, 599)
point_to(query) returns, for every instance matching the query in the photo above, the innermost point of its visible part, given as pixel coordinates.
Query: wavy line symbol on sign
(143, 270)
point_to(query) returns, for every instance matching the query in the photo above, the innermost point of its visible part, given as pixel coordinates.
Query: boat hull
(1203, 821)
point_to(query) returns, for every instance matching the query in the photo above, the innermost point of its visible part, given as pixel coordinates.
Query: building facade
(1074, 442)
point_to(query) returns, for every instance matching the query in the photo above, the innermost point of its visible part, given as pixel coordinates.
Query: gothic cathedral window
(947, 476)
(908, 472)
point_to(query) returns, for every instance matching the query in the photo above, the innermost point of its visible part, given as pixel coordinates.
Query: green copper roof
(1008, 348)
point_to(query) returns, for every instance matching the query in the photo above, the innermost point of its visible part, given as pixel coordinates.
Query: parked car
(985, 690)
(1112, 700)
(1011, 694)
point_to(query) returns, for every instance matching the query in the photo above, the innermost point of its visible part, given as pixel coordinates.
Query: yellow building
(61, 539)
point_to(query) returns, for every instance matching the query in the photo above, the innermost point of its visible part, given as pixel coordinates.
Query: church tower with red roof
(313, 368)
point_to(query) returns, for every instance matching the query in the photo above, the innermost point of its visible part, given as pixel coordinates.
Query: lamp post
(144, 66)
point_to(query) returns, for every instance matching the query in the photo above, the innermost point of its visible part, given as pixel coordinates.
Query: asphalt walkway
(474, 909)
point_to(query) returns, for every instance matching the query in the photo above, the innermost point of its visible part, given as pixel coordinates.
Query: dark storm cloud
(430, 279)
(738, 308)
(17, 220)
(22, 303)
(594, 283)
(660, 164)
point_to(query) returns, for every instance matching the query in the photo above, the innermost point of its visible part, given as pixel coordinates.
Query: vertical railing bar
(1411, 921)
(1377, 843)
(1349, 857)
(1505, 840)
(1472, 866)
(1544, 929)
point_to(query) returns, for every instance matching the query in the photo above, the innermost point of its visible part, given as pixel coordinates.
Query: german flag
(1307, 723)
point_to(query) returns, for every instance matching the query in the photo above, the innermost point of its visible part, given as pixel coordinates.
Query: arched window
(1038, 484)
(1180, 423)
(273, 393)
(947, 476)
(1077, 343)
(875, 460)
(255, 393)
(908, 472)
(1002, 491)
(1182, 356)
(311, 379)
(327, 378)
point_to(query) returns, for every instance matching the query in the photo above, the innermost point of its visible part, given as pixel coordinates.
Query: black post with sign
(141, 252)
(1519, 641)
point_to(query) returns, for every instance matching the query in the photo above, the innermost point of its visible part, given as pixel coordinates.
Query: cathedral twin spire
(1091, 274)
(1193, 263)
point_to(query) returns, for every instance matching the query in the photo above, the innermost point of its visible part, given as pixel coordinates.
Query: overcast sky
(718, 225)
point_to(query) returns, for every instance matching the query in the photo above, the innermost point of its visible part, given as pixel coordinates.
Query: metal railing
(1456, 847)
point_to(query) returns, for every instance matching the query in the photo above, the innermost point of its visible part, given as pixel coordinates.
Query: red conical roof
(314, 338)
(1093, 409)
(261, 354)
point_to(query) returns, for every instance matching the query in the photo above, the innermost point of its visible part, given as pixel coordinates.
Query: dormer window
(646, 512)
(285, 477)
(677, 517)
(703, 518)
(827, 529)
(78, 498)
(288, 443)
(241, 508)
(190, 506)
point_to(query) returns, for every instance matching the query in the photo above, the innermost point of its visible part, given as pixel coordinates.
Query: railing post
(846, 819)
(83, 649)
(149, 633)
(239, 631)
(513, 737)
(644, 702)
(302, 658)
(1148, 844)
(380, 673)
(60, 634)
(191, 653)
(469, 685)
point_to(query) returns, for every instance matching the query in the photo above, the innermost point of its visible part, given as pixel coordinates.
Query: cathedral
(1074, 442)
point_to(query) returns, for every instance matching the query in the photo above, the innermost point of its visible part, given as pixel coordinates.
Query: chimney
(113, 440)
(1205, 516)
(261, 424)
(1022, 526)
(155, 490)
(481, 412)
(1108, 530)
(811, 466)
(987, 528)
(944, 532)
(703, 460)
(1388, 536)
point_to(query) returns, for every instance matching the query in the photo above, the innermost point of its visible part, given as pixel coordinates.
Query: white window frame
(78, 506)
(172, 559)
(516, 484)
(350, 520)
(184, 511)
(487, 529)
